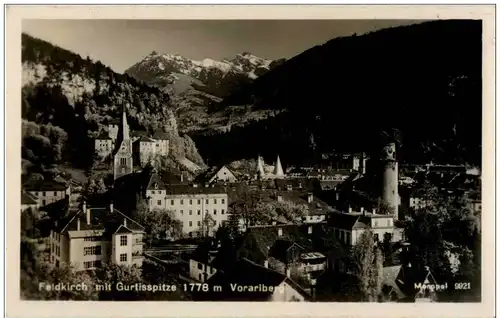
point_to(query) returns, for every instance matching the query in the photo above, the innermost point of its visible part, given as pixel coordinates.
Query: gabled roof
(160, 135)
(123, 230)
(156, 183)
(101, 219)
(44, 185)
(280, 248)
(104, 135)
(344, 221)
(145, 139)
(28, 199)
(248, 273)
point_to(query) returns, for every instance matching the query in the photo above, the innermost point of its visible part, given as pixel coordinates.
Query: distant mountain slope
(79, 96)
(197, 85)
(423, 81)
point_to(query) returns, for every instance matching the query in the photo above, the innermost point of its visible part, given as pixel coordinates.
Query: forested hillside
(68, 100)
(422, 82)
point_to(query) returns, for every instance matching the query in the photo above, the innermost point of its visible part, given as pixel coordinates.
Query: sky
(121, 43)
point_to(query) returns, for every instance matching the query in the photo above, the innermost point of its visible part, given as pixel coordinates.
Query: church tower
(278, 170)
(390, 177)
(122, 161)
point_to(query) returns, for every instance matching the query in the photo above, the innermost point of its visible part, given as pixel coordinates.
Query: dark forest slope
(423, 80)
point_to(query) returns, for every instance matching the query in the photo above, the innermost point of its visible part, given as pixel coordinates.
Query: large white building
(94, 236)
(191, 204)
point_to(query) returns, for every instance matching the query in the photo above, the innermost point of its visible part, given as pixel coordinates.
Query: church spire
(260, 167)
(124, 125)
(278, 170)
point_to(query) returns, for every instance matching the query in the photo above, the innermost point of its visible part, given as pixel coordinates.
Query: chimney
(87, 214)
(111, 208)
(125, 222)
(362, 210)
(309, 230)
(280, 198)
(280, 231)
(182, 177)
(350, 209)
(310, 198)
(266, 263)
(288, 272)
(84, 207)
(374, 211)
(78, 224)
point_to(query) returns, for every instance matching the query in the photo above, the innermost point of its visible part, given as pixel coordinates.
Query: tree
(368, 266)
(159, 225)
(117, 276)
(384, 208)
(207, 225)
(38, 276)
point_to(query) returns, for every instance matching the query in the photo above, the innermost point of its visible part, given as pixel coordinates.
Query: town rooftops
(44, 185)
(28, 199)
(312, 255)
(101, 219)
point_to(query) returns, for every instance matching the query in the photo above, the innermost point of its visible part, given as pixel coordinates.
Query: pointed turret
(124, 125)
(260, 167)
(278, 170)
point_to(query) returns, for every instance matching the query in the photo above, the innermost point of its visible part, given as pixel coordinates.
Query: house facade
(94, 236)
(28, 201)
(46, 191)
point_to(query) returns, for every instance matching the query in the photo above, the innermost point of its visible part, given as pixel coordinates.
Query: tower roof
(260, 166)
(278, 170)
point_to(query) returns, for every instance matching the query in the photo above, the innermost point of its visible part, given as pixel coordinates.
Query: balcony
(137, 254)
(314, 267)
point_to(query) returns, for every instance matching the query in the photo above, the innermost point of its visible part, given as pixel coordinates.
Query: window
(376, 237)
(199, 201)
(171, 202)
(43, 202)
(159, 191)
(159, 202)
(200, 277)
(199, 212)
(190, 212)
(152, 192)
(223, 201)
(92, 250)
(215, 201)
(190, 202)
(92, 238)
(123, 240)
(182, 201)
(190, 223)
(123, 161)
(55, 193)
(376, 223)
(222, 211)
(199, 223)
(215, 211)
(200, 266)
(206, 201)
(123, 257)
(43, 193)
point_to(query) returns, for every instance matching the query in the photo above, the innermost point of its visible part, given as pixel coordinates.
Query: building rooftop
(180, 189)
(313, 255)
(248, 273)
(102, 219)
(28, 199)
(145, 139)
(160, 135)
(104, 135)
(44, 185)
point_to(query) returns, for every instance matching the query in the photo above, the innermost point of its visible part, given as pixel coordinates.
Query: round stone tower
(390, 177)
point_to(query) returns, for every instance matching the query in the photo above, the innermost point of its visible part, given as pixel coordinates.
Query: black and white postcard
(227, 161)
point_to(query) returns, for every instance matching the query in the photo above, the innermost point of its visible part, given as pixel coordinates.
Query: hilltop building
(93, 236)
(120, 140)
